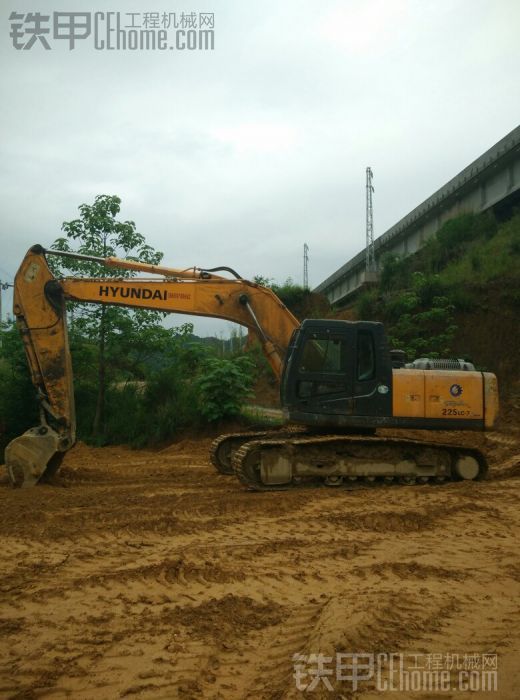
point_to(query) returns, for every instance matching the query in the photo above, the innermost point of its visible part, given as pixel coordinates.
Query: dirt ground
(146, 574)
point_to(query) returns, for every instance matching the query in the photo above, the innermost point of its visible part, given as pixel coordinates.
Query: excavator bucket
(32, 455)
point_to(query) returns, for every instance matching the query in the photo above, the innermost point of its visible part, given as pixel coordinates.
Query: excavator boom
(39, 308)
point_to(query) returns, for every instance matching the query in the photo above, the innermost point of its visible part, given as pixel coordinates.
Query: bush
(463, 298)
(396, 272)
(423, 331)
(476, 260)
(171, 400)
(452, 239)
(515, 246)
(223, 386)
(366, 305)
(401, 303)
(18, 409)
(125, 416)
(300, 301)
(427, 287)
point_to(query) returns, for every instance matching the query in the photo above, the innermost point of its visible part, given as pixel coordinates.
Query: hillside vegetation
(459, 295)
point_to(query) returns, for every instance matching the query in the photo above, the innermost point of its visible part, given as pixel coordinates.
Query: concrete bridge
(491, 181)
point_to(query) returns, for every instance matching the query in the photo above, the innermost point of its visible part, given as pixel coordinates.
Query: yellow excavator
(339, 382)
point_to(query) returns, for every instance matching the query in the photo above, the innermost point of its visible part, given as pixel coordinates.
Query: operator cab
(337, 373)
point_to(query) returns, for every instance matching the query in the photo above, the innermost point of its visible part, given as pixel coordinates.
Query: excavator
(339, 383)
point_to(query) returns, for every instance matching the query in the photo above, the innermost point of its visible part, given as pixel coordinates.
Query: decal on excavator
(131, 293)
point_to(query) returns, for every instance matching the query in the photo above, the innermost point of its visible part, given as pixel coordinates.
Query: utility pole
(305, 266)
(370, 258)
(3, 287)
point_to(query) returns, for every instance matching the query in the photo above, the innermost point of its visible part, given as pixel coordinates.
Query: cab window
(323, 355)
(366, 357)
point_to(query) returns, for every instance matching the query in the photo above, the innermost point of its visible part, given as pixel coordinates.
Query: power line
(3, 287)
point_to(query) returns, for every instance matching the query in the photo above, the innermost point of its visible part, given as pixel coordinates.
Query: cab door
(324, 381)
(372, 373)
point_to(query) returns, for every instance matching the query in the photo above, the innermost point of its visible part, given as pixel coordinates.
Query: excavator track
(225, 446)
(352, 462)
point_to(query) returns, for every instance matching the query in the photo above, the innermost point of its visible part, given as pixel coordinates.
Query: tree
(18, 407)
(223, 385)
(421, 319)
(299, 300)
(98, 232)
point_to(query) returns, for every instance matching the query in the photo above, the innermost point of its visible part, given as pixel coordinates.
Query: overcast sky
(240, 155)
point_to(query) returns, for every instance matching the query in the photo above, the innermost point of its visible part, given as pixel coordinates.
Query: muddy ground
(146, 574)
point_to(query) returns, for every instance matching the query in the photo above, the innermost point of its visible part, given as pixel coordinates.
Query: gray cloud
(240, 155)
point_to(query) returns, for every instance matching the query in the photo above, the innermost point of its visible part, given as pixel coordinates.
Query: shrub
(396, 272)
(424, 331)
(366, 305)
(223, 385)
(18, 409)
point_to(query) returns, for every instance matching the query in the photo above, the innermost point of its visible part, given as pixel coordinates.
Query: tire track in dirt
(147, 575)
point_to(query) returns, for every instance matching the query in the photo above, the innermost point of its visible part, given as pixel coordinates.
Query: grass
(487, 260)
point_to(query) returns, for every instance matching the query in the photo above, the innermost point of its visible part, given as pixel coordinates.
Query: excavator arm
(39, 308)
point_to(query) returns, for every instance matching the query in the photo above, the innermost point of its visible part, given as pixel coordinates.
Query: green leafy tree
(153, 410)
(223, 386)
(395, 272)
(98, 232)
(18, 408)
(264, 281)
(300, 301)
(419, 318)
(367, 306)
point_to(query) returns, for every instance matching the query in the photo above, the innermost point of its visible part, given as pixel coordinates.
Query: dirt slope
(142, 574)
